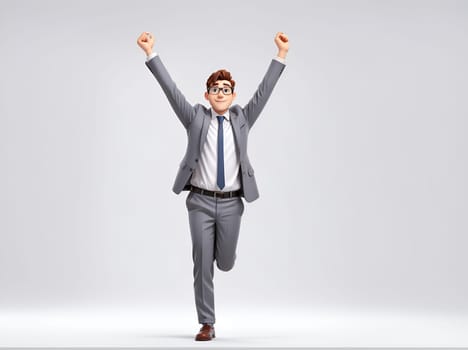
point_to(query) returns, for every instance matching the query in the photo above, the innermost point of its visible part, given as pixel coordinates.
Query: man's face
(220, 96)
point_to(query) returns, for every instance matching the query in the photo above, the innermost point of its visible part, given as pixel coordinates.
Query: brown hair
(221, 74)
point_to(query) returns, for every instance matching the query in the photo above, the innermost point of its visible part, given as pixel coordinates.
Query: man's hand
(282, 41)
(146, 42)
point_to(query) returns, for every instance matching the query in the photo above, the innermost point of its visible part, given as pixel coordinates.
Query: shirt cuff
(150, 56)
(279, 59)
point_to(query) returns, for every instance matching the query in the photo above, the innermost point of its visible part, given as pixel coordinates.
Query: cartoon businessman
(215, 169)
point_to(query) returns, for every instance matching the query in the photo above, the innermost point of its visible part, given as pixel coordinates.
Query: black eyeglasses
(214, 90)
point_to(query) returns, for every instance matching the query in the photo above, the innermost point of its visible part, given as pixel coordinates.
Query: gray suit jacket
(197, 118)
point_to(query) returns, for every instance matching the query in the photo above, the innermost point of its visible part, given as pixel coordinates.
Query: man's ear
(206, 96)
(234, 95)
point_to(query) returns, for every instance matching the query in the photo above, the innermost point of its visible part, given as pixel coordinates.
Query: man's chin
(220, 107)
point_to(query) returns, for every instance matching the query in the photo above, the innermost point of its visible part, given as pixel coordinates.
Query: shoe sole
(214, 336)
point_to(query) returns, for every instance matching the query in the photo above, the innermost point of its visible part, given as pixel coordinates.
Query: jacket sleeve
(253, 108)
(183, 109)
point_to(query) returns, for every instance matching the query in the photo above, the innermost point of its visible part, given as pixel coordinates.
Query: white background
(360, 154)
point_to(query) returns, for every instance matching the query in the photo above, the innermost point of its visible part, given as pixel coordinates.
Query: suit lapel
(204, 131)
(236, 129)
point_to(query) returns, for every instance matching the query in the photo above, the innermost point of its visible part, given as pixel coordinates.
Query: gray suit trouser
(214, 227)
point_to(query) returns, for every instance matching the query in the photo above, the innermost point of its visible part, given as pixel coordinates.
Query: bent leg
(228, 219)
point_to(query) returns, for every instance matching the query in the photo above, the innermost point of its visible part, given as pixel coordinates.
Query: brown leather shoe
(207, 332)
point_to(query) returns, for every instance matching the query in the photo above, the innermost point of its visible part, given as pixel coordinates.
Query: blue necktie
(220, 175)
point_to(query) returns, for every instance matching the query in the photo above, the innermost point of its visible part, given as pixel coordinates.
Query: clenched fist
(282, 41)
(146, 42)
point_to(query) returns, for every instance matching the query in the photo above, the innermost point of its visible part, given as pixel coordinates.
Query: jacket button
(196, 160)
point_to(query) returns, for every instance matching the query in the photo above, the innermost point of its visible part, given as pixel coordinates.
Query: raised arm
(183, 109)
(253, 108)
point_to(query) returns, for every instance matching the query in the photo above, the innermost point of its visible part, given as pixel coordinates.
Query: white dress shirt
(205, 174)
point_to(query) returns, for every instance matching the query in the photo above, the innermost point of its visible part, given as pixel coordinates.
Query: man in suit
(215, 169)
